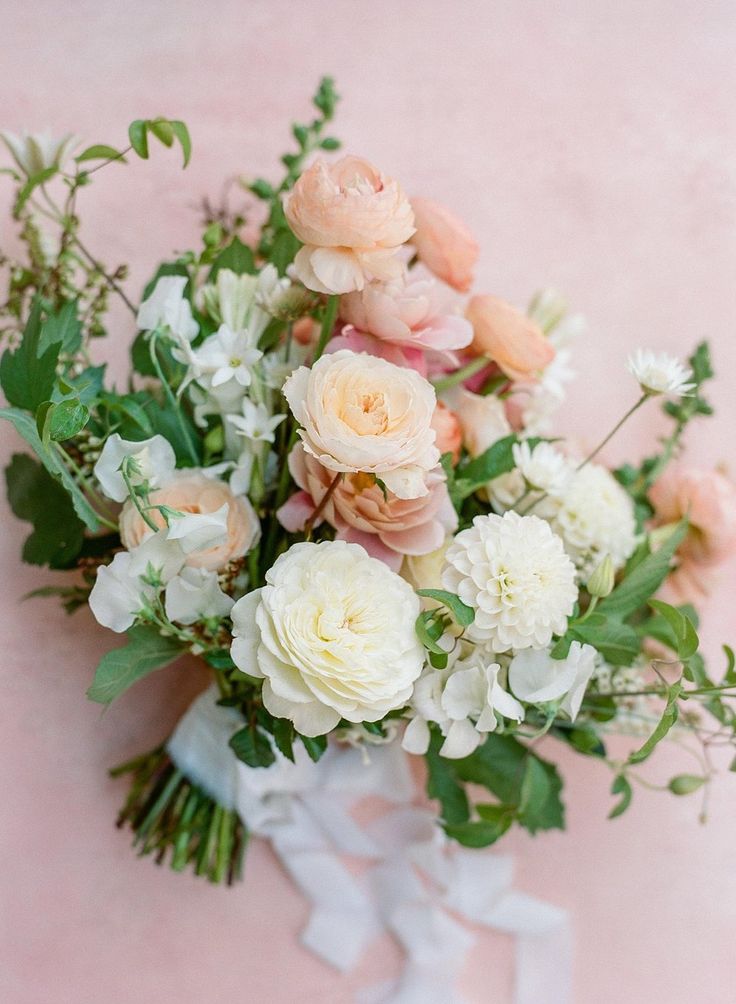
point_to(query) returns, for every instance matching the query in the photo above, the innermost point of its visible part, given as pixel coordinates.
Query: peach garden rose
(361, 413)
(352, 220)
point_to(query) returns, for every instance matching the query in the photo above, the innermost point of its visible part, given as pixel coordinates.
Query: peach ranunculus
(448, 430)
(351, 220)
(444, 244)
(508, 338)
(387, 527)
(361, 413)
(191, 491)
(708, 499)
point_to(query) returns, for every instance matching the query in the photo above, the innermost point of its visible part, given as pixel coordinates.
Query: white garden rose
(362, 413)
(332, 634)
(514, 572)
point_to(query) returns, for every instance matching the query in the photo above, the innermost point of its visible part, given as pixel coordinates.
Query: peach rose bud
(352, 220)
(444, 244)
(448, 431)
(508, 338)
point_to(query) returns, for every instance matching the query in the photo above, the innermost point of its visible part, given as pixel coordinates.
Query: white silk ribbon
(417, 885)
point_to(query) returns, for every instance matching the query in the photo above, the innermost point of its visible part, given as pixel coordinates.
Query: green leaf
(137, 134)
(31, 185)
(429, 629)
(685, 784)
(185, 142)
(461, 612)
(100, 151)
(35, 496)
(27, 375)
(26, 427)
(63, 327)
(237, 256)
(686, 637)
(730, 674)
(252, 747)
(496, 460)
(283, 736)
(66, 419)
(668, 719)
(161, 129)
(644, 581)
(283, 252)
(443, 784)
(479, 834)
(620, 787)
(314, 745)
(145, 651)
(618, 643)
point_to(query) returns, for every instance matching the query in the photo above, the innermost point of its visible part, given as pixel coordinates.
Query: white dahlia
(595, 518)
(660, 373)
(332, 634)
(514, 572)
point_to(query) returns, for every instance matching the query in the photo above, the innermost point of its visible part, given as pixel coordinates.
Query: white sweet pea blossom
(36, 152)
(660, 373)
(225, 356)
(167, 307)
(195, 594)
(536, 678)
(123, 587)
(256, 424)
(543, 467)
(197, 531)
(466, 701)
(154, 463)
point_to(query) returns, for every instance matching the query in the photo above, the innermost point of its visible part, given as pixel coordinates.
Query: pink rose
(352, 220)
(444, 244)
(709, 500)
(448, 430)
(388, 528)
(193, 492)
(509, 338)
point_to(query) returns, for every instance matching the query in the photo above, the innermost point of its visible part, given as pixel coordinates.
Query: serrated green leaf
(146, 650)
(35, 496)
(461, 612)
(62, 327)
(621, 787)
(26, 427)
(27, 375)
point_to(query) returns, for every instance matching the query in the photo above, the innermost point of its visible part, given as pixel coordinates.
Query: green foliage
(314, 745)
(27, 375)
(621, 786)
(644, 581)
(252, 746)
(617, 642)
(461, 612)
(35, 496)
(34, 182)
(165, 130)
(100, 151)
(237, 256)
(686, 784)
(146, 650)
(443, 784)
(668, 719)
(683, 630)
(429, 627)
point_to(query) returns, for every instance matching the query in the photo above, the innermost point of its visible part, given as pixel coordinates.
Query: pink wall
(591, 146)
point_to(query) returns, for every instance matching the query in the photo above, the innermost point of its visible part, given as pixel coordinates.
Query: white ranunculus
(465, 700)
(36, 152)
(195, 594)
(154, 457)
(332, 634)
(595, 517)
(122, 588)
(198, 531)
(535, 677)
(514, 572)
(167, 307)
(362, 413)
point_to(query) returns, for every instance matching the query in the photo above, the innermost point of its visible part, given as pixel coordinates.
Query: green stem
(328, 323)
(614, 430)
(461, 375)
(171, 398)
(136, 501)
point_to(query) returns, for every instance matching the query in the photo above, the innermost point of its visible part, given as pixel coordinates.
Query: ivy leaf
(668, 719)
(252, 747)
(644, 581)
(145, 651)
(622, 787)
(35, 496)
(26, 427)
(443, 784)
(27, 375)
(683, 629)
(461, 612)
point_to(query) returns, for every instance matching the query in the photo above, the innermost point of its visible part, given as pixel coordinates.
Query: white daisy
(660, 373)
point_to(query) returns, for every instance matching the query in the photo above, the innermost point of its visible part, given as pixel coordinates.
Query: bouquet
(333, 477)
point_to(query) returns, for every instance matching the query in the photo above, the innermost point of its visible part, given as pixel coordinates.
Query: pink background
(591, 146)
